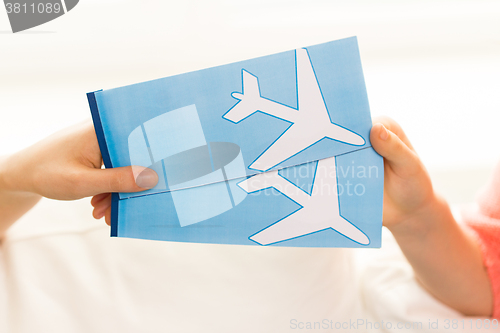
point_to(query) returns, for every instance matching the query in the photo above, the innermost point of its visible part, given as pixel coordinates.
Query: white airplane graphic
(310, 122)
(320, 210)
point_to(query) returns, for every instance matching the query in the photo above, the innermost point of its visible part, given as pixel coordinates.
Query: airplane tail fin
(249, 99)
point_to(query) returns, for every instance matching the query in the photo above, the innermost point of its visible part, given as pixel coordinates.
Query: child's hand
(64, 166)
(407, 186)
(445, 259)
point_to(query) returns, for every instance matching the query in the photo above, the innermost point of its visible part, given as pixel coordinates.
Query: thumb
(125, 179)
(402, 160)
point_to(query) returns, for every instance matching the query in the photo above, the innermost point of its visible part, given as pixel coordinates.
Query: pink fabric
(485, 222)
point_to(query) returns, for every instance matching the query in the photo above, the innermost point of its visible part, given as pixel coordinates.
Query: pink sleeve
(484, 221)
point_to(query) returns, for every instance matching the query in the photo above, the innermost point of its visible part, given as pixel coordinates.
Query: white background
(434, 66)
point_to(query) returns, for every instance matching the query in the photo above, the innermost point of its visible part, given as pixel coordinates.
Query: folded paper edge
(115, 200)
(101, 140)
(99, 131)
(140, 194)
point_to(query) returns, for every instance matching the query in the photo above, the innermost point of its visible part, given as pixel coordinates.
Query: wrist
(14, 202)
(4, 178)
(424, 220)
(11, 178)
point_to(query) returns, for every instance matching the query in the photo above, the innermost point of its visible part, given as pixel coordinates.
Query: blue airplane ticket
(269, 151)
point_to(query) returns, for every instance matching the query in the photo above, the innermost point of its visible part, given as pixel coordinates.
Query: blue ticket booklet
(268, 151)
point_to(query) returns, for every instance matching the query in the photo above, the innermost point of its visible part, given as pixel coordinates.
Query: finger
(395, 128)
(101, 208)
(124, 179)
(97, 214)
(98, 198)
(107, 216)
(104, 203)
(402, 160)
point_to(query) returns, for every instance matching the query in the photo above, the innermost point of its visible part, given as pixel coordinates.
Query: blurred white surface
(61, 272)
(65, 274)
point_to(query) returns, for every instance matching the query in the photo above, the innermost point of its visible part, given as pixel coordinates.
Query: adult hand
(65, 166)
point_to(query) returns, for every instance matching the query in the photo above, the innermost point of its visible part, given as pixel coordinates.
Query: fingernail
(147, 179)
(383, 133)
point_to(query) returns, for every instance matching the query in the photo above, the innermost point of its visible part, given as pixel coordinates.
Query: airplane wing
(291, 142)
(295, 225)
(346, 228)
(308, 91)
(304, 222)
